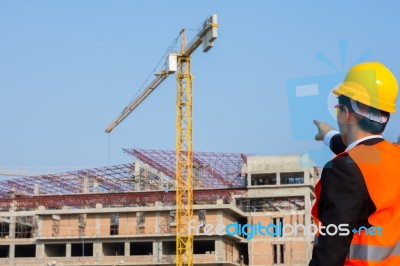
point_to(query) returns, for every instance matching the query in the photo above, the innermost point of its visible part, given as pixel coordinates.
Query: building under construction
(125, 214)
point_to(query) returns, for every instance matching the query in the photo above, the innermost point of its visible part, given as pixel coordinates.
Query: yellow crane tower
(179, 63)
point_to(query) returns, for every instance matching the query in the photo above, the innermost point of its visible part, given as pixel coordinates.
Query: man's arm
(343, 198)
(336, 144)
(330, 136)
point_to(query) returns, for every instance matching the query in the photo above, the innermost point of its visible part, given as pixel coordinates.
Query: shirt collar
(355, 143)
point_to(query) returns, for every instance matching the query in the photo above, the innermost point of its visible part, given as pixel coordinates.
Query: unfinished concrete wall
(104, 220)
(277, 170)
(127, 223)
(46, 230)
(88, 223)
(204, 258)
(150, 223)
(69, 225)
(230, 251)
(167, 222)
(118, 223)
(270, 250)
(230, 218)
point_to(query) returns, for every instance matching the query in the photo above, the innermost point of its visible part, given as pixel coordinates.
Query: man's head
(366, 97)
(366, 118)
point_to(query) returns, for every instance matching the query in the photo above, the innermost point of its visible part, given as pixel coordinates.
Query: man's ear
(346, 113)
(348, 117)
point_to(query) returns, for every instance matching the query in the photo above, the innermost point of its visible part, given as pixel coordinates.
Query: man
(360, 187)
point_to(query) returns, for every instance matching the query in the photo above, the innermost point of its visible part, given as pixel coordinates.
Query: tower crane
(179, 63)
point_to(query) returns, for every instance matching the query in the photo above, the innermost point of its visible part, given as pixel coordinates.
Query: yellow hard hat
(372, 84)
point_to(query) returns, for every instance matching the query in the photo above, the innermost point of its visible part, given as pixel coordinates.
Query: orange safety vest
(380, 167)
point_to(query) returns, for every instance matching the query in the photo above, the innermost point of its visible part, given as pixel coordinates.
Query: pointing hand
(323, 129)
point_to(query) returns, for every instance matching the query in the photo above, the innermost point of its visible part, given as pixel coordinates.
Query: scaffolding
(212, 170)
(149, 179)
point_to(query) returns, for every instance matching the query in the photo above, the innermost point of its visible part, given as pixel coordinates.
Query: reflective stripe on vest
(373, 253)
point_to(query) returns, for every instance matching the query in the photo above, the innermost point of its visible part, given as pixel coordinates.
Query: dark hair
(364, 123)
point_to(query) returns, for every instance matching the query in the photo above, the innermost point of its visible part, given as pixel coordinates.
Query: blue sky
(67, 68)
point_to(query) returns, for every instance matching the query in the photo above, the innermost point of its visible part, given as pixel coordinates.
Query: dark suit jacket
(344, 199)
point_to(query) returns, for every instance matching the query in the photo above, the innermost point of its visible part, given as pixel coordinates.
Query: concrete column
(68, 250)
(127, 248)
(36, 190)
(97, 252)
(144, 178)
(306, 175)
(307, 209)
(137, 175)
(220, 217)
(278, 253)
(219, 252)
(98, 216)
(40, 251)
(13, 223)
(127, 223)
(85, 188)
(98, 221)
(95, 186)
(162, 178)
(307, 223)
(12, 251)
(159, 251)
(40, 222)
(278, 178)
(157, 223)
(156, 251)
(248, 179)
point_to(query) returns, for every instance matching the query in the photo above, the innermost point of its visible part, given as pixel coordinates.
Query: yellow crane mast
(179, 63)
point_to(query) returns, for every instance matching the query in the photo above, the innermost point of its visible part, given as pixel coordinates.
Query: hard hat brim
(357, 93)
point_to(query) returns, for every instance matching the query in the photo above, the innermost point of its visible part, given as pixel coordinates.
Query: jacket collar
(365, 139)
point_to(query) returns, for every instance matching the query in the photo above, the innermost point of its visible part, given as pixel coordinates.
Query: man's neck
(354, 136)
(355, 139)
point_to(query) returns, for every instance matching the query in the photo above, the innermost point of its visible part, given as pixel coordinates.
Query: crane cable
(170, 48)
(162, 59)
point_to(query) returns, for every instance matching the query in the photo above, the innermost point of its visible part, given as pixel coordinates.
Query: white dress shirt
(328, 137)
